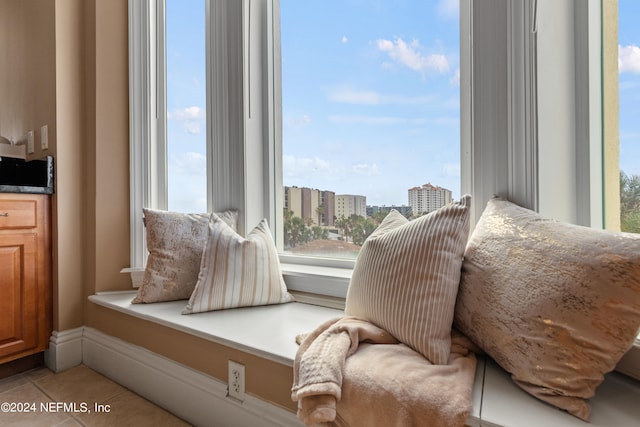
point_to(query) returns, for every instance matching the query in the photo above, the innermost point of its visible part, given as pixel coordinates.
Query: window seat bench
(269, 332)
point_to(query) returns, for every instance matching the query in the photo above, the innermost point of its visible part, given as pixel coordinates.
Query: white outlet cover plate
(30, 142)
(236, 380)
(44, 137)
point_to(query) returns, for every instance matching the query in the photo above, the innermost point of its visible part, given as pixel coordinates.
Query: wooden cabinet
(25, 275)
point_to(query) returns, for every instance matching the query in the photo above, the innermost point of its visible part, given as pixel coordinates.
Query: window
(502, 90)
(528, 61)
(186, 106)
(370, 107)
(629, 129)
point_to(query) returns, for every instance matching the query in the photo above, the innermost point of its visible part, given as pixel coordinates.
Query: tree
(380, 215)
(344, 225)
(320, 213)
(298, 231)
(319, 233)
(295, 230)
(630, 203)
(362, 229)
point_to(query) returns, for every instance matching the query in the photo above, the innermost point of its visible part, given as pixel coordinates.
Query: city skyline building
(311, 203)
(404, 210)
(428, 198)
(323, 207)
(350, 204)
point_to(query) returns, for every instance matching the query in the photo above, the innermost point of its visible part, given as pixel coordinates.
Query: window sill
(319, 280)
(319, 285)
(326, 286)
(249, 329)
(497, 401)
(505, 404)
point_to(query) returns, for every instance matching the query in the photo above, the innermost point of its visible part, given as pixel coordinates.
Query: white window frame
(502, 133)
(242, 105)
(498, 87)
(147, 112)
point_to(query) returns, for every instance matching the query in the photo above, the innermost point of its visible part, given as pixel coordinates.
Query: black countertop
(19, 176)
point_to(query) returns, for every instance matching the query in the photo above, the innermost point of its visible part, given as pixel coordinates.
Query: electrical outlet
(236, 380)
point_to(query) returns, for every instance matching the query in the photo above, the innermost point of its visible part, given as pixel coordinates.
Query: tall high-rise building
(349, 204)
(308, 203)
(428, 198)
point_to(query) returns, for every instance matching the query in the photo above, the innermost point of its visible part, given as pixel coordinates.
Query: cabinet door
(18, 293)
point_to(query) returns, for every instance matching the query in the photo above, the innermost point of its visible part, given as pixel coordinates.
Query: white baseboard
(65, 350)
(191, 395)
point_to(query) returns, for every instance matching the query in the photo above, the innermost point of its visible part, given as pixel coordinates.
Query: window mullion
(242, 129)
(147, 117)
(225, 124)
(158, 141)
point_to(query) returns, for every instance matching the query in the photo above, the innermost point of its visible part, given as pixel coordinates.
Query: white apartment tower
(428, 198)
(348, 204)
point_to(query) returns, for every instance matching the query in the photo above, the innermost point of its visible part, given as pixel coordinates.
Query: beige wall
(91, 203)
(27, 74)
(77, 64)
(68, 215)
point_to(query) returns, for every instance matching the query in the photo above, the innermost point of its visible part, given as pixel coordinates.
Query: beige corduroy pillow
(406, 278)
(175, 242)
(554, 304)
(238, 272)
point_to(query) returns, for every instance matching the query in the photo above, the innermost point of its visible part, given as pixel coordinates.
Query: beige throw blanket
(383, 383)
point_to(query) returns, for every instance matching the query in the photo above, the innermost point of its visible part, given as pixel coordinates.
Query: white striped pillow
(238, 272)
(407, 274)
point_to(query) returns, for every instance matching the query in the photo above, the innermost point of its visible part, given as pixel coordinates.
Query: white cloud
(366, 169)
(447, 121)
(344, 39)
(373, 120)
(192, 119)
(629, 59)
(303, 120)
(409, 55)
(451, 170)
(449, 9)
(189, 113)
(188, 163)
(301, 166)
(455, 79)
(348, 96)
(367, 97)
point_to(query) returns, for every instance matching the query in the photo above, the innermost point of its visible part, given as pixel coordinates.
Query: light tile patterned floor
(76, 397)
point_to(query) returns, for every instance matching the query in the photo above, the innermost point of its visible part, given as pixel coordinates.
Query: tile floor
(76, 397)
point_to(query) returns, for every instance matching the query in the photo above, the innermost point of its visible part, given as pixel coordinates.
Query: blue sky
(370, 97)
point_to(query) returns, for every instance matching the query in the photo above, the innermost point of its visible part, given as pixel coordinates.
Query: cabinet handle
(4, 213)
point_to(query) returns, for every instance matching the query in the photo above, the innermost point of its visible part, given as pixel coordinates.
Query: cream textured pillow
(406, 278)
(556, 305)
(175, 242)
(238, 272)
